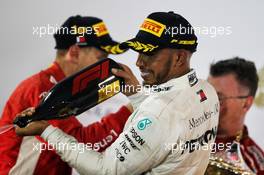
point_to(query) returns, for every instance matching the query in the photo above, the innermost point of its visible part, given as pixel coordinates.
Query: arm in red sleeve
(9, 142)
(21, 98)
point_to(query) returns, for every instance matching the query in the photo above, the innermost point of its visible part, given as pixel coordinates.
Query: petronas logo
(142, 124)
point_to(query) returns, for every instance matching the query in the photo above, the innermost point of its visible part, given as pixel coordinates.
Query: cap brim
(112, 47)
(140, 46)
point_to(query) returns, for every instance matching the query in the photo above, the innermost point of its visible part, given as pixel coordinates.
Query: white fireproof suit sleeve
(137, 150)
(137, 99)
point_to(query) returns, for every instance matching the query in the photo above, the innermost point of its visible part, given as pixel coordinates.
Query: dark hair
(244, 71)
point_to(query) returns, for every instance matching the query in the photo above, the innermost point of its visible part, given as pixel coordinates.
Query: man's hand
(33, 128)
(130, 79)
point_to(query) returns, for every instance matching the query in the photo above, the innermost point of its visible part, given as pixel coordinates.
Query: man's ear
(73, 54)
(248, 103)
(181, 57)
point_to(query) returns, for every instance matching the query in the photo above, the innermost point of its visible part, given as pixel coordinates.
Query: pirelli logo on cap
(152, 27)
(100, 29)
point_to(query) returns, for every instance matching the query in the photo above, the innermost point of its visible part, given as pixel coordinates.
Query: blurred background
(228, 29)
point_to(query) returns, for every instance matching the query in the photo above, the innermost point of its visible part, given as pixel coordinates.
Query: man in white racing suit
(171, 130)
